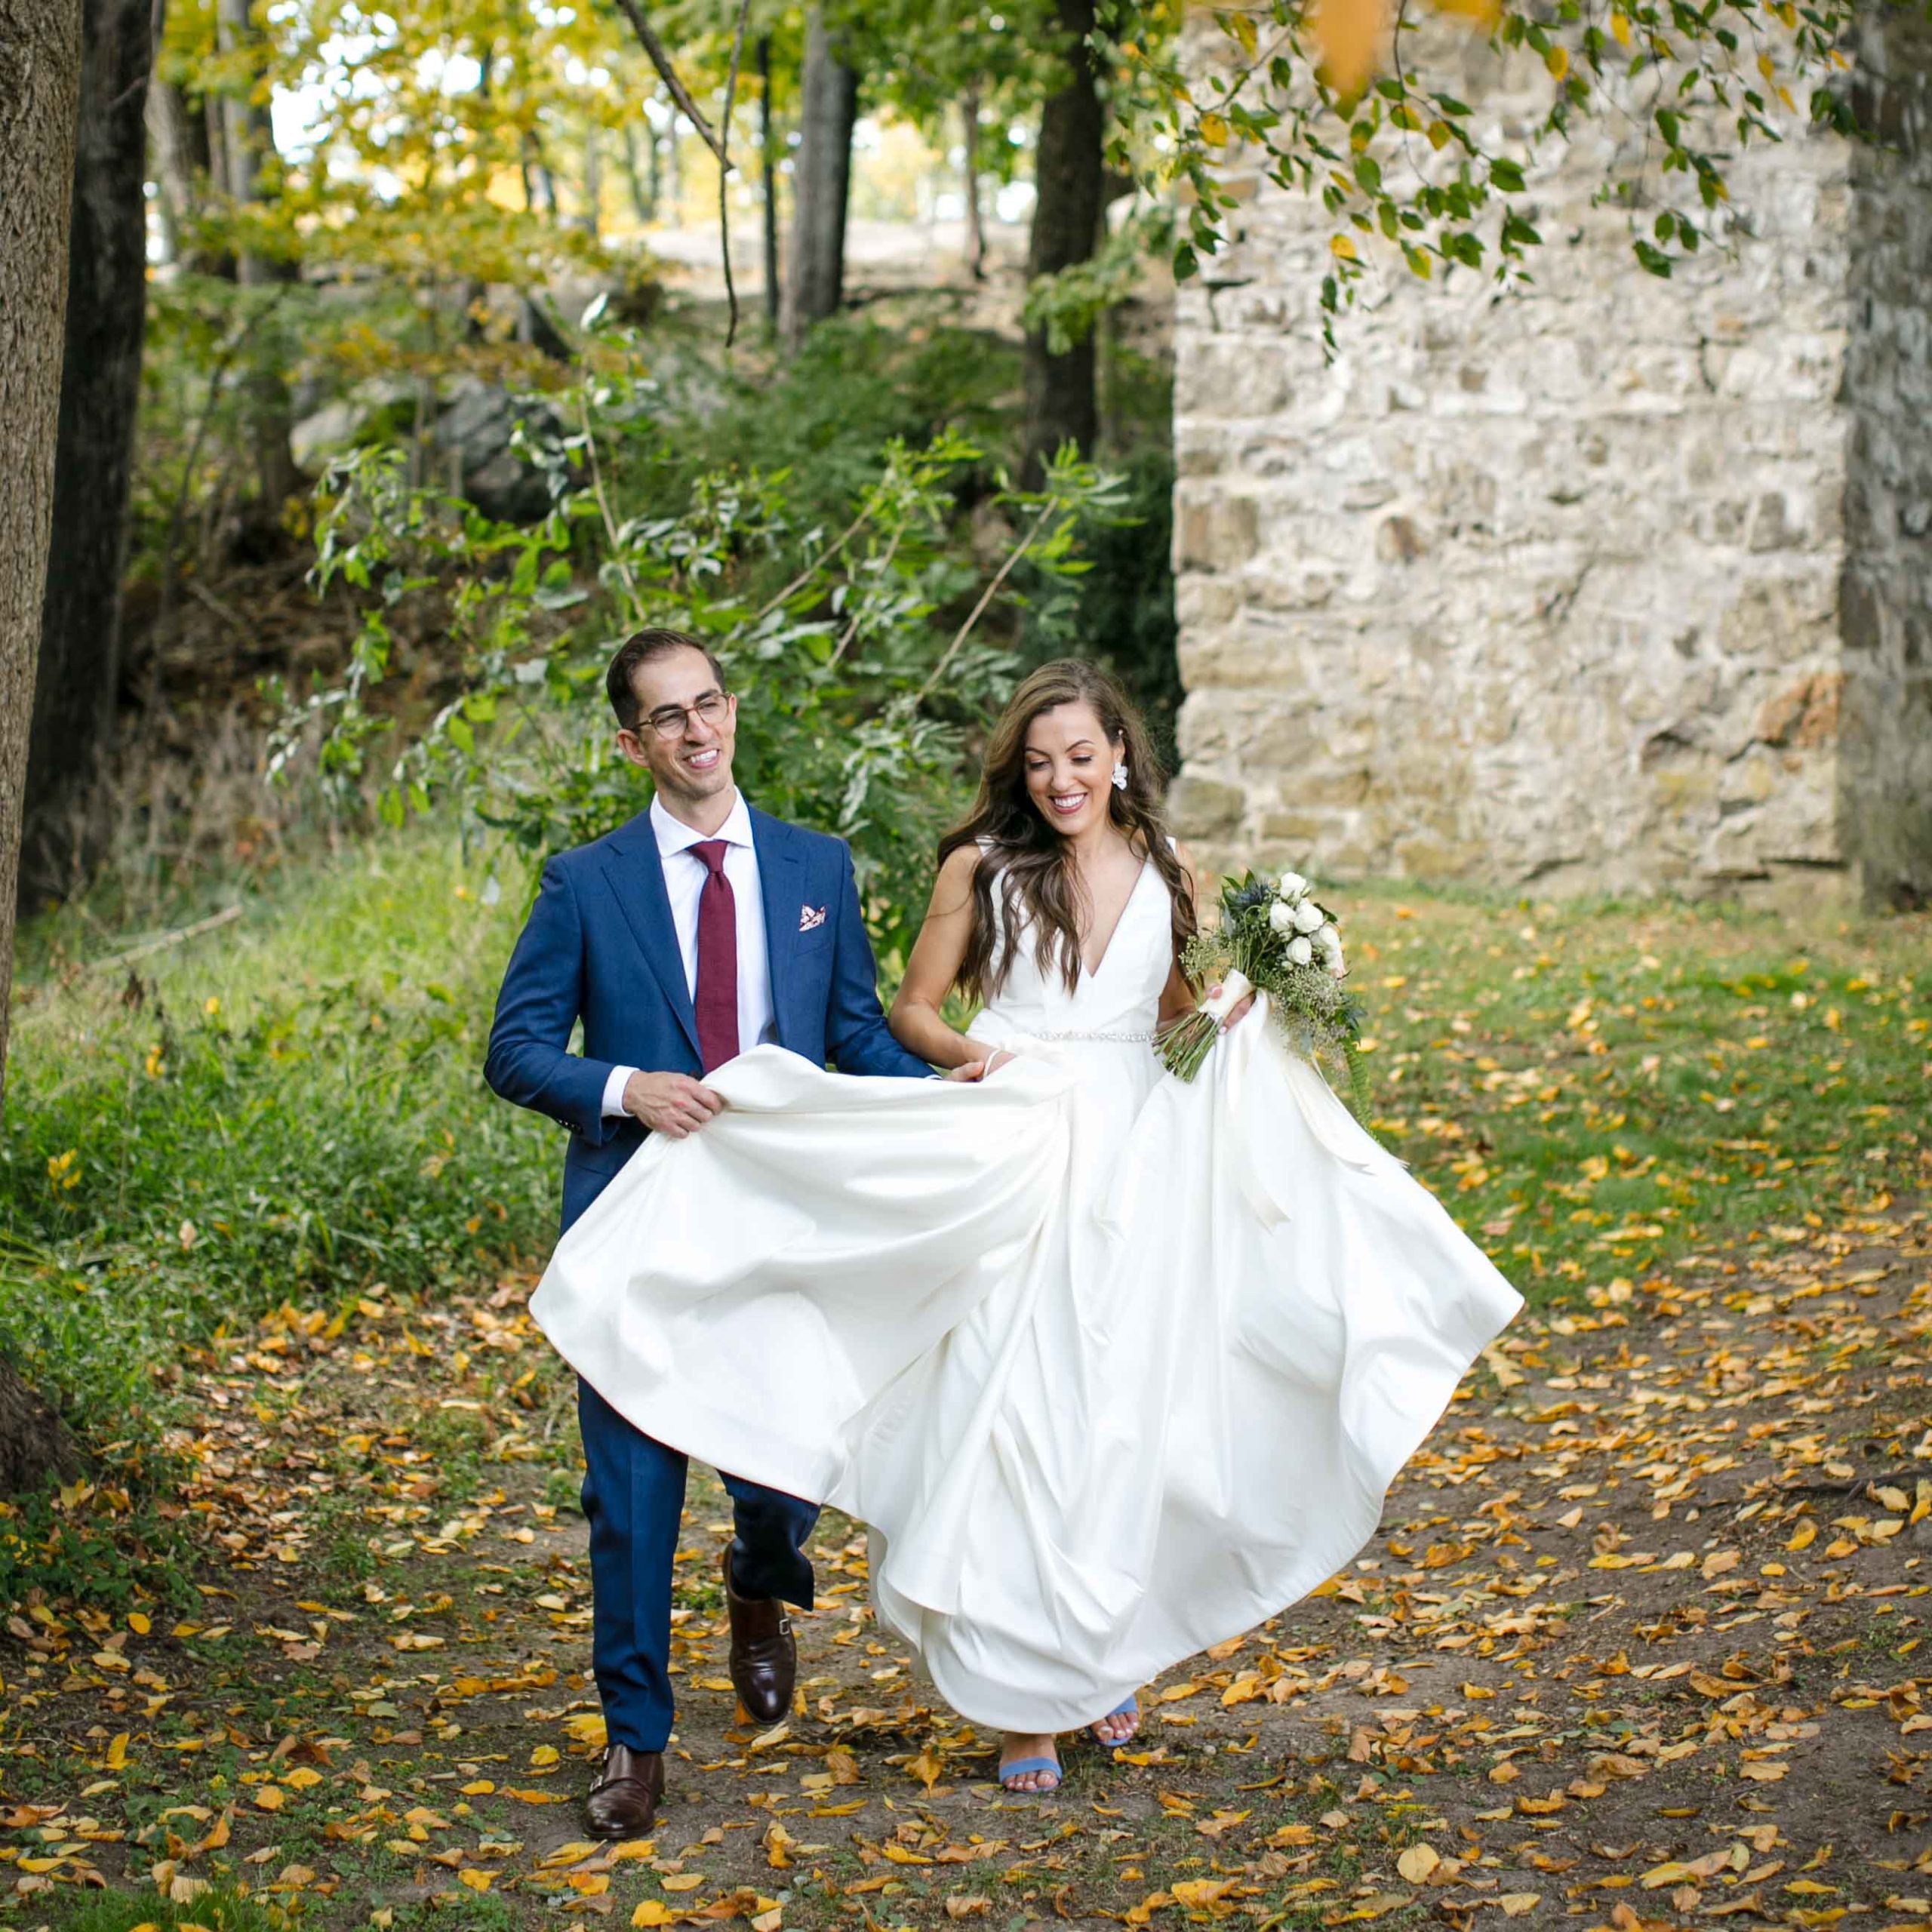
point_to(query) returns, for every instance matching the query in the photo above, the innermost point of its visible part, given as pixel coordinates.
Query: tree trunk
(249, 143)
(40, 88)
(829, 105)
(768, 177)
(643, 183)
(540, 190)
(976, 232)
(80, 626)
(591, 219)
(183, 170)
(1069, 177)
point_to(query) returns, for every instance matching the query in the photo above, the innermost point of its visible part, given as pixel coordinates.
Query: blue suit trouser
(634, 1496)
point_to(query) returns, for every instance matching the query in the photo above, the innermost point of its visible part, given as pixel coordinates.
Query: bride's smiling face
(1070, 763)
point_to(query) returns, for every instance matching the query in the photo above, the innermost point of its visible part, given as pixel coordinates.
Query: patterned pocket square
(811, 917)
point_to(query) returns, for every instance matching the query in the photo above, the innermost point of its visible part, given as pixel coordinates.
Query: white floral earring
(1120, 774)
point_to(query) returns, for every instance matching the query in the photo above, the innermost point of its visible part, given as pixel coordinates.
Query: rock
(333, 427)
(475, 431)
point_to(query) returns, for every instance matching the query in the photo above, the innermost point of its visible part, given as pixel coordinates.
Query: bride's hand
(1236, 1014)
(978, 1069)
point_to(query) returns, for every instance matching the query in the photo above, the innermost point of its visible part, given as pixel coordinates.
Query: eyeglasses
(668, 720)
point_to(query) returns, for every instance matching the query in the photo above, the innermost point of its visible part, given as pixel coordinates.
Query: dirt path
(1639, 1644)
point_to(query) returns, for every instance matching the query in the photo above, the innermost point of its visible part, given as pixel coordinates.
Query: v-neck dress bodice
(1113, 1367)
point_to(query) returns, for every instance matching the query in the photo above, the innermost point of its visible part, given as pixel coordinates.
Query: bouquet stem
(1184, 1047)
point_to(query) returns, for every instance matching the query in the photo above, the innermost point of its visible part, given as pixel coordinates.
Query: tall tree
(969, 183)
(1070, 179)
(249, 146)
(80, 624)
(821, 181)
(767, 160)
(40, 91)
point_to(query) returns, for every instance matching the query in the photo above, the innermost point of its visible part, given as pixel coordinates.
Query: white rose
(1293, 885)
(1299, 950)
(1327, 938)
(1281, 917)
(1307, 917)
(1337, 965)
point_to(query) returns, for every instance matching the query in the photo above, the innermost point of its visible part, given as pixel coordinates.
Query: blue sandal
(1019, 1768)
(1113, 1745)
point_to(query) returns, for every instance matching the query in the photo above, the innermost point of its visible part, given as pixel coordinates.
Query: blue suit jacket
(600, 946)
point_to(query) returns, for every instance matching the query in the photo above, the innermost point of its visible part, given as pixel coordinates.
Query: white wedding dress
(1113, 1367)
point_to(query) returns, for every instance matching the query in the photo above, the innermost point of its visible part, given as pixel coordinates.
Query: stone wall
(1611, 585)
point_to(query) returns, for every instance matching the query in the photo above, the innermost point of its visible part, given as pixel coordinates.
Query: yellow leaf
(587, 1728)
(778, 1842)
(271, 1798)
(1174, 1693)
(1417, 1862)
(1341, 245)
(302, 1776)
(567, 1854)
(1803, 1537)
(1558, 61)
(138, 1623)
(478, 1787)
(477, 1881)
(652, 1912)
(926, 1768)
(1348, 33)
(589, 1885)
(682, 1882)
(1514, 1904)
(117, 1753)
(1214, 131)
(545, 1754)
(1620, 28)
(1202, 1891)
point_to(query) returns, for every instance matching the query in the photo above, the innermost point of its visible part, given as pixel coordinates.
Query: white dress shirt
(685, 875)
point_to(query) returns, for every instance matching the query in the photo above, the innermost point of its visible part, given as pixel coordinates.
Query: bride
(1114, 1367)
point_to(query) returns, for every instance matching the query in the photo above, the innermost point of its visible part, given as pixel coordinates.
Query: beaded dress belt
(1089, 1033)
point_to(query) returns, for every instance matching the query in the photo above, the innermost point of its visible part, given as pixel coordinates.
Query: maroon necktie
(717, 1000)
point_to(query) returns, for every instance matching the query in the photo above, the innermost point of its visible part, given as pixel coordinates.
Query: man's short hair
(639, 649)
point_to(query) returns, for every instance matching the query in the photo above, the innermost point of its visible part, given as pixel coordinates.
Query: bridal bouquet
(1275, 937)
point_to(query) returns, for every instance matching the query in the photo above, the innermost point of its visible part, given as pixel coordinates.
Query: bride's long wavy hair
(1028, 862)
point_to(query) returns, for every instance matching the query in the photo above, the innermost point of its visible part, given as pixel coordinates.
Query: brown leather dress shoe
(763, 1662)
(624, 1802)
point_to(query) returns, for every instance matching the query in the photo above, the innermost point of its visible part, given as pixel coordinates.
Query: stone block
(1203, 808)
(1215, 533)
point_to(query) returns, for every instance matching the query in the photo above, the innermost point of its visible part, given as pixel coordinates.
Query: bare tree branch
(668, 74)
(724, 171)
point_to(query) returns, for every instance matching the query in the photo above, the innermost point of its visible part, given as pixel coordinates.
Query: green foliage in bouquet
(1282, 942)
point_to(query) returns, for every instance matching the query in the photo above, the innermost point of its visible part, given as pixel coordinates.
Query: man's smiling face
(694, 763)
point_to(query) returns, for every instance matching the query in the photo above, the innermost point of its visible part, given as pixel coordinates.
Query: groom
(699, 929)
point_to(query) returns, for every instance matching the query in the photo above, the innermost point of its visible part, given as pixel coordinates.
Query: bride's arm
(1178, 999)
(915, 1018)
